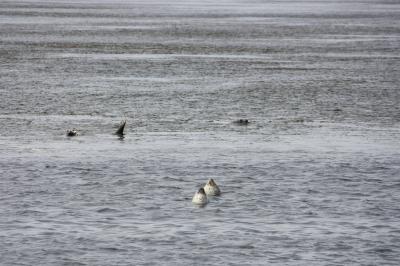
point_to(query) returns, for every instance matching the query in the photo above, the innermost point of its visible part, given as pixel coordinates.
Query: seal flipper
(121, 128)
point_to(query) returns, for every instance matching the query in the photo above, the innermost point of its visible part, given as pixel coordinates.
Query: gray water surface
(314, 179)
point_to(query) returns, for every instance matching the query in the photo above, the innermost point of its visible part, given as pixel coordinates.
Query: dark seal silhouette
(72, 132)
(241, 122)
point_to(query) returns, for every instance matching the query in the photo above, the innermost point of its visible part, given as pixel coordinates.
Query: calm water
(314, 179)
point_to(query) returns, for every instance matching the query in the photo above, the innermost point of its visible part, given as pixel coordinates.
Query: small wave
(30, 212)
(242, 246)
(113, 249)
(92, 184)
(103, 210)
(380, 250)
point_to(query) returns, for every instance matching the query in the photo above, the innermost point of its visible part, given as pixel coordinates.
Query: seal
(241, 122)
(211, 188)
(121, 128)
(72, 132)
(200, 198)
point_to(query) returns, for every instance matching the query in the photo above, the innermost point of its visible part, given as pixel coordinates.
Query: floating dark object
(242, 122)
(72, 132)
(298, 120)
(337, 110)
(121, 128)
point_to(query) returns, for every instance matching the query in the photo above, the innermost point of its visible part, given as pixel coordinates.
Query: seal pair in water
(120, 131)
(210, 189)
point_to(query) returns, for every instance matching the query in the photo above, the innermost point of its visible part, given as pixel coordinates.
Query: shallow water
(314, 179)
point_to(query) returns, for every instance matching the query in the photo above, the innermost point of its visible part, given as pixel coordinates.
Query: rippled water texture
(313, 179)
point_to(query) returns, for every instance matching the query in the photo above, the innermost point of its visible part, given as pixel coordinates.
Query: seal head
(242, 122)
(200, 198)
(211, 188)
(72, 132)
